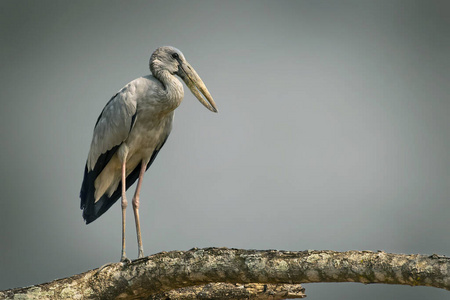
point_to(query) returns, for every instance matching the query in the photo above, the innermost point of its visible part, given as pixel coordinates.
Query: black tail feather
(87, 192)
(91, 209)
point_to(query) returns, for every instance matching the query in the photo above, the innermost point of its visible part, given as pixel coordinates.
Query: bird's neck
(173, 89)
(173, 86)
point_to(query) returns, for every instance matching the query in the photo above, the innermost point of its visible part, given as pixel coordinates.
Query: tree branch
(166, 271)
(254, 291)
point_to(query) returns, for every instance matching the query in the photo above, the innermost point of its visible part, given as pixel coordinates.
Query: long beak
(196, 85)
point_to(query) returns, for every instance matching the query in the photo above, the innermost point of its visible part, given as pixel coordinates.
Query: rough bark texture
(254, 291)
(168, 271)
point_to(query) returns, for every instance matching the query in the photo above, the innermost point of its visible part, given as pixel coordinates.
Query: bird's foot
(124, 260)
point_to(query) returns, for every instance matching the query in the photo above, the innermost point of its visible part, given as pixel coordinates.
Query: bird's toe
(124, 260)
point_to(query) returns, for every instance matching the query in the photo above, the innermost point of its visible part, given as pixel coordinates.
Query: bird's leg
(136, 209)
(124, 208)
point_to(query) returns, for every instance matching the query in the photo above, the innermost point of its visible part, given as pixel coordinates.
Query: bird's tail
(92, 209)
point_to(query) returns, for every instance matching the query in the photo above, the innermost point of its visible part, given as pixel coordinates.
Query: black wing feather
(91, 209)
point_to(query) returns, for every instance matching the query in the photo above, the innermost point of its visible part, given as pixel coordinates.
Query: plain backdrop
(333, 131)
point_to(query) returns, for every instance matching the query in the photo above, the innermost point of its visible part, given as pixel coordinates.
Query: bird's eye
(175, 55)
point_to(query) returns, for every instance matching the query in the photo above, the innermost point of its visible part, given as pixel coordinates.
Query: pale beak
(196, 85)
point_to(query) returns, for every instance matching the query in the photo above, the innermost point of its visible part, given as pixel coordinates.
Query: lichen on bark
(168, 271)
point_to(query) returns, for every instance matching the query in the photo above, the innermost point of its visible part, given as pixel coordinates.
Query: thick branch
(254, 291)
(167, 271)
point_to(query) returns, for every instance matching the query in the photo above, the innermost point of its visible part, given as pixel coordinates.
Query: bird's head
(171, 59)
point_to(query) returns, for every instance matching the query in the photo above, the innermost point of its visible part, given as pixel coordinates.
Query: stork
(131, 130)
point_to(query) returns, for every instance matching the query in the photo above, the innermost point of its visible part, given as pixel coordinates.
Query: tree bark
(166, 271)
(254, 291)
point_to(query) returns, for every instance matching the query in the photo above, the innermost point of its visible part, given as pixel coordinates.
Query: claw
(124, 260)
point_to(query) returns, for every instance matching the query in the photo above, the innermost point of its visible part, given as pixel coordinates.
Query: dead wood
(162, 273)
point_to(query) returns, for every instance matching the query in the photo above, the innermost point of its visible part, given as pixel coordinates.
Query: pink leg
(136, 209)
(124, 207)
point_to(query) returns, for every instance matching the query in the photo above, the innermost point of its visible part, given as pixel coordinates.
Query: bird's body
(137, 137)
(131, 130)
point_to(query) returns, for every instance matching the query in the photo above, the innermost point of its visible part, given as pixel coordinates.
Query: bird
(131, 130)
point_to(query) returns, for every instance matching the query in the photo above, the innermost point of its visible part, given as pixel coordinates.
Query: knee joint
(136, 202)
(124, 202)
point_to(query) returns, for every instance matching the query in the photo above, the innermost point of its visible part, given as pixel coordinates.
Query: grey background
(333, 131)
